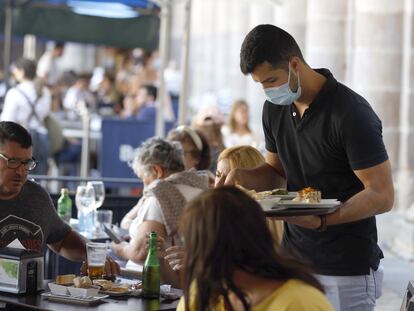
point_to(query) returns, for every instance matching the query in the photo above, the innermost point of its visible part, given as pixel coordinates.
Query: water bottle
(64, 205)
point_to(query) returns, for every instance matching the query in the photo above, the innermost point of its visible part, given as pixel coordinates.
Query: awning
(62, 24)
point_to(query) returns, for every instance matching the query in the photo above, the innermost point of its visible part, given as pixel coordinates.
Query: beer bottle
(64, 205)
(151, 273)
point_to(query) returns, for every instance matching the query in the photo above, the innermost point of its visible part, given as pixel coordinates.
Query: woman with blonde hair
(237, 132)
(245, 157)
(228, 265)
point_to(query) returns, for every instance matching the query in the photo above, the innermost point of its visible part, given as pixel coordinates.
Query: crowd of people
(214, 241)
(128, 92)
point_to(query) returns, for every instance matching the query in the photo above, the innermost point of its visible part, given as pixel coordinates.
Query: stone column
(405, 175)
(326, 36)
(376, 72)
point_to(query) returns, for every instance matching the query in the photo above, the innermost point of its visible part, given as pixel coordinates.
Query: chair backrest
(119, 140)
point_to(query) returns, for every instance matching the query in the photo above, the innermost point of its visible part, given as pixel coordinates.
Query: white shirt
(235, 139)
(17, 109)
(149, 209)
(75, 95)
(48, 66)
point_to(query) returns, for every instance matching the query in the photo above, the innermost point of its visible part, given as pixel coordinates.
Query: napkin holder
(21, 271)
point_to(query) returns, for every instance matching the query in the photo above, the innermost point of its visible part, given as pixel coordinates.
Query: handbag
(55, 133)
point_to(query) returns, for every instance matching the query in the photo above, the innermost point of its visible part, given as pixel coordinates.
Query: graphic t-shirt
(31, 219)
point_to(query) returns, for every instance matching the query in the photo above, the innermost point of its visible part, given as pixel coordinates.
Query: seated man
(27, 214)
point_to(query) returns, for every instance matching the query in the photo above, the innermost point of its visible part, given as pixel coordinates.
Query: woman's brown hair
(224, 229)
(232, 119)
(201, 155)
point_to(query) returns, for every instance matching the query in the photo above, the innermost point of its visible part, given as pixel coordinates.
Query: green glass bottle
(64, 205)
(151, 273)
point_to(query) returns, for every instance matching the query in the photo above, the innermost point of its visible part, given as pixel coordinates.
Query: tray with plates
(283, 208)
(74, 299)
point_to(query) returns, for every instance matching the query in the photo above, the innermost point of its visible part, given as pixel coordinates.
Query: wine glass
(99, 189)
(85, 203)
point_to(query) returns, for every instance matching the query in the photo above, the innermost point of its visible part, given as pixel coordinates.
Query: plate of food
(308, 201)
(114, 289)
(275, 193)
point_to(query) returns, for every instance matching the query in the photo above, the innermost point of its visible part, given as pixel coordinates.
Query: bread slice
(82, 282)
(66, 279)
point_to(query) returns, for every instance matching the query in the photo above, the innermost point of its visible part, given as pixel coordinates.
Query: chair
(408, 301)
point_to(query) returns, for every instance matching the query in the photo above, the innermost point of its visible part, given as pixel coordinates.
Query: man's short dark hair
(28, 66)
(151, 90)
(267, 43)
(59, 45)
(11, 131)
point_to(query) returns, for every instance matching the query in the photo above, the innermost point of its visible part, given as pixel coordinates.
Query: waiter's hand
(309, 222)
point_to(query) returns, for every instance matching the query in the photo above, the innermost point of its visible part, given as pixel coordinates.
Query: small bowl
(83, 292)
(58, 289)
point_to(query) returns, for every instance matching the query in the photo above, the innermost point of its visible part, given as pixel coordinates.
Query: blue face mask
(283, 95)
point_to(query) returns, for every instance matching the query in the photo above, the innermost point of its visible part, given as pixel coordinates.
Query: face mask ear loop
(290, 69)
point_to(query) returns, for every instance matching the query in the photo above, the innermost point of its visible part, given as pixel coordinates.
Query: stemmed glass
(85, 203)
(99, 189)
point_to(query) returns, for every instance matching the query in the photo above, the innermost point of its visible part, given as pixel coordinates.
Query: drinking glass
(102, 217)
(85, 203)
(99, 188)
(96, 253)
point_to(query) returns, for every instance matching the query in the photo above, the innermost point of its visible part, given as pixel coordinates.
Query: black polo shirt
(337, 134)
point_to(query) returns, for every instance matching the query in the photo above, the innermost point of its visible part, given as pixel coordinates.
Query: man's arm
(267, 176)
(73, 247)
(376, 198)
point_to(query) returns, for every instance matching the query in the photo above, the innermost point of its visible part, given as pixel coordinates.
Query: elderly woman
(167, 188)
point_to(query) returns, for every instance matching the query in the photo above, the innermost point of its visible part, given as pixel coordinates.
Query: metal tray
(285, 211)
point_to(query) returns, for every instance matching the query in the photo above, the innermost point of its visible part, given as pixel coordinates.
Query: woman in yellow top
(231, 264)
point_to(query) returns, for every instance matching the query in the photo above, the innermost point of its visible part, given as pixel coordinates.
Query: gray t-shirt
(31, 218)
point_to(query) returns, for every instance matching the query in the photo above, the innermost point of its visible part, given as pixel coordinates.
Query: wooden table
(37, 302)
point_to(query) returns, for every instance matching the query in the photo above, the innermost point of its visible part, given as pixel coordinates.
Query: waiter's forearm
(264, 177)
(369, 202)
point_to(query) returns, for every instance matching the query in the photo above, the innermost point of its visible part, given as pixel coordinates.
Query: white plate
(115, 294)
(324, 203)
(71, 299)
(288, 196)
(269, 202)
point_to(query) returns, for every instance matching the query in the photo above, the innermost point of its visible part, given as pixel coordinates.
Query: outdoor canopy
(59, 22)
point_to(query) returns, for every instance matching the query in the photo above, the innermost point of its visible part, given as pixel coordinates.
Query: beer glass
(96, 253)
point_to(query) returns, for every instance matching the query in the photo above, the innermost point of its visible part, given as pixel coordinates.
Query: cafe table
(124, 303)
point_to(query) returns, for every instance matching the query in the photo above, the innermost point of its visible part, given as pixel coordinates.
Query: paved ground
(398, 271)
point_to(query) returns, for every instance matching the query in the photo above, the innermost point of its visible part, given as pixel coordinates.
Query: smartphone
(113, 235)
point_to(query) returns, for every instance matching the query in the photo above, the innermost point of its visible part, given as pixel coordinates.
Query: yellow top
(291, 296)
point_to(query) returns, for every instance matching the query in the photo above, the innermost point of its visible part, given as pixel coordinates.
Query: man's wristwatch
(323, 224)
